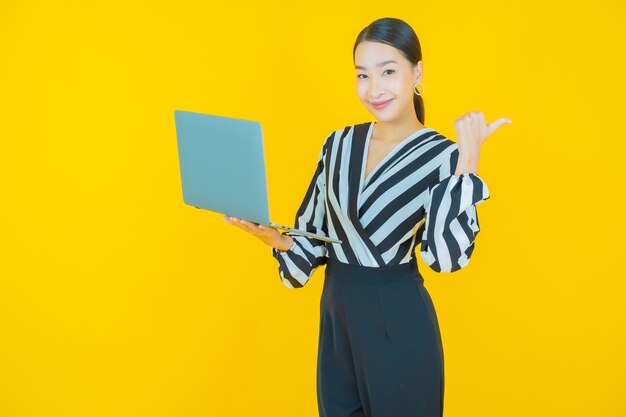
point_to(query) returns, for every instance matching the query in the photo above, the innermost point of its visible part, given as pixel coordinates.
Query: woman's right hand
(266, 234)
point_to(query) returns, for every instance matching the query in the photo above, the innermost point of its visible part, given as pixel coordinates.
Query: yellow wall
(116, 299)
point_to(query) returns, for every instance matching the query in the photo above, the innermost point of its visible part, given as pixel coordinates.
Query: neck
(395, 130)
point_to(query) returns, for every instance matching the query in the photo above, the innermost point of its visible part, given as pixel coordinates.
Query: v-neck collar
(363, 181)
(361, 135)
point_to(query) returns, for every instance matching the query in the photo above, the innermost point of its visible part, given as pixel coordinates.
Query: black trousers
(380, 352)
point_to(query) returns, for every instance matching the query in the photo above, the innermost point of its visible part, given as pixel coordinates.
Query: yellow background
(116, 299)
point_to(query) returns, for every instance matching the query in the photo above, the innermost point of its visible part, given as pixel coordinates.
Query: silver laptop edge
(302, 232)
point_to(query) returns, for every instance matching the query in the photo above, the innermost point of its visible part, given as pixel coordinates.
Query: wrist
(285, 243)
(467, 164)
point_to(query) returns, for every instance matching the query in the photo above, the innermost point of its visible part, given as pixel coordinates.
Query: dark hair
(397, 33)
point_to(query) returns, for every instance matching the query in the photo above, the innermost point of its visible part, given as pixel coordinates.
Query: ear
(418, 70)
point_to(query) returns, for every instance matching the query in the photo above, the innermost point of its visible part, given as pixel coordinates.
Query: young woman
(380, 352)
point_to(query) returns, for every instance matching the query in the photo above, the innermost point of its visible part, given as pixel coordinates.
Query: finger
(476, 128)
(457, 125)
(483, 129)
(249, 226)
(232, 220)
(481, 119)
(239, 223)
(259, 230)
(494, 125)
(236, 223)
(466, 128)
(267, 230)
(256, 229)
(272, 232)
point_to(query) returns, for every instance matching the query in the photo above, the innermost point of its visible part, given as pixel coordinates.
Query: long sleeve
(451, 219)
(297, 264)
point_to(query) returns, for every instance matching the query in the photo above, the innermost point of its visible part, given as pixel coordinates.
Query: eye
(359, 75)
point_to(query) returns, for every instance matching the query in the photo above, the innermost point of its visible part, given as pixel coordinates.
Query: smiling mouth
(381, 102)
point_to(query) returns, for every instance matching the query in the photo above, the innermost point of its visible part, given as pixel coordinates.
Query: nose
(374, 90)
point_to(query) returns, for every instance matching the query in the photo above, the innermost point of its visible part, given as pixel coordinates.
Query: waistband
(374, 274)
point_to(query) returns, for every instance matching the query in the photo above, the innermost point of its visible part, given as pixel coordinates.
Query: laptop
(222, 168)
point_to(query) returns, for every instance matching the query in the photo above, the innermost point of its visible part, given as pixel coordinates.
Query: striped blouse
(412, 196)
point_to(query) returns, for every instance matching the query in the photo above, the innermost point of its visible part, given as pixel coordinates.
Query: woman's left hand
(471, 132)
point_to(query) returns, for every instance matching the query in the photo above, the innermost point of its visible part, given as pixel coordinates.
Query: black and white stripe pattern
(377, 217)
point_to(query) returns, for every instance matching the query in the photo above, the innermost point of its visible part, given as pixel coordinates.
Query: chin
(384, 117)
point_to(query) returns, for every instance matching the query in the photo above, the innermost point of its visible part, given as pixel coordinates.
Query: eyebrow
(380, 64)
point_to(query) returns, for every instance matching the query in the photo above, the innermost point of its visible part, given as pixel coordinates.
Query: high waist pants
(380, 351)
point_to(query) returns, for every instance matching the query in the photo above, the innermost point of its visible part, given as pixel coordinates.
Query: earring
(416, 92)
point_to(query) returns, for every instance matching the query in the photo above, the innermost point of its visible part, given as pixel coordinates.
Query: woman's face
(384, 75)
